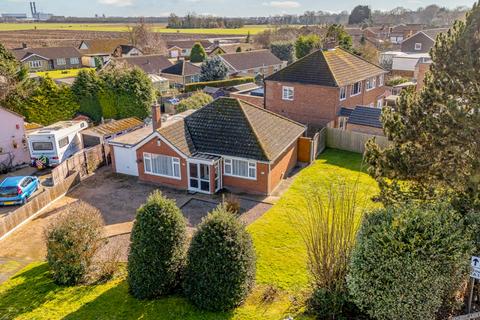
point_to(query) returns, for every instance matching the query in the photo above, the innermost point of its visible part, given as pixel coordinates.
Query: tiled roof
(250, 59)
(187, 44)
(231, 127)
(366, 116)
(153, 64)
(344, 112)
(182, 68)
(103, 46)
(433, 33)
(116, 126)
(48, 52)
(329, 68)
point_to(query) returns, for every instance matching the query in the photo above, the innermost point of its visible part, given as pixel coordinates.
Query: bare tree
(146, 39)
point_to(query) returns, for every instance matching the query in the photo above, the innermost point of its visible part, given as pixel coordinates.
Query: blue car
(17, 190)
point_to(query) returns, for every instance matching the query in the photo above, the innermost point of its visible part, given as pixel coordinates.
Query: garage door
(125, 161)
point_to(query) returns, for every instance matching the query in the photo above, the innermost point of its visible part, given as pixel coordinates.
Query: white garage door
(125, 161)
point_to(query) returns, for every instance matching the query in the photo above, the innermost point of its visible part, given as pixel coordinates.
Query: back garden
(281, 279)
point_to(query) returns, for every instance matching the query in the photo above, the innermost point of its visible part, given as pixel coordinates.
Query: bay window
(240, 168)
(161, 165)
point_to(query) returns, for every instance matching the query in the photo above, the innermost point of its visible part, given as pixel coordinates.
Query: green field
(31, 294)
(253, 29)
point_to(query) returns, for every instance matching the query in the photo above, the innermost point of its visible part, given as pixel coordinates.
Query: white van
(56, 142)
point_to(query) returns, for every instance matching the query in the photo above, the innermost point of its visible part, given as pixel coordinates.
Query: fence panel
(351, 141)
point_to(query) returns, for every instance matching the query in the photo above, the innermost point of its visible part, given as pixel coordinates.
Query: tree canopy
(306, 44)
(213, 69)
(360, 14)
(198, 53)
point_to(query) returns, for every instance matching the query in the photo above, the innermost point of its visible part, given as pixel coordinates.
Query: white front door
(125, 161)
(199, 177)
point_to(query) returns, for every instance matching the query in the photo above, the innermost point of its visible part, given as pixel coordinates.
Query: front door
(199, 177)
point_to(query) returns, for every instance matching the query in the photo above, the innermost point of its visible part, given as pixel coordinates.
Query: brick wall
(258, 186)
(282, 166)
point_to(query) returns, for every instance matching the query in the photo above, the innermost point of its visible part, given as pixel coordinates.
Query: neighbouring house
(13, 143)
(150, 64)
(214, 92)
(105, 132)
(183, 48)
(361, 119)
(254, 96)
(49, 58)
(402, 31)
(422, 41)
(252, 63)
(227, 144)
(404, 64)
(97, 52)
(182, 73)
(312, 89)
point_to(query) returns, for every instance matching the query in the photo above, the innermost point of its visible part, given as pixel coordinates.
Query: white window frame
(35, 64)
(381, 80)
(288, 93)
(61, 61)
(352, 94)
(175, 161)
(74, 60)
(370, 83)
(380, 103)
(343, 93)
(228, 168)
(418, 46)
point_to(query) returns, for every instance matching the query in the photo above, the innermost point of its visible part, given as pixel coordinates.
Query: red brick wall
(282, 166)
(152, 147)
(313, 104)
(258, 186)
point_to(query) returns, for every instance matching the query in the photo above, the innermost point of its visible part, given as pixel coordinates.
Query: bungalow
(13, 145)
(228, 144)
(183, 48)
(49, 58)
(312, 89)
(101, 50)
(150, 64)
(361, 119)
(182, 73)
(252, 63)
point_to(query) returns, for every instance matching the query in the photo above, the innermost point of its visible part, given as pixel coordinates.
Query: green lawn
(253, 29)
(31, 294)
(60, 74)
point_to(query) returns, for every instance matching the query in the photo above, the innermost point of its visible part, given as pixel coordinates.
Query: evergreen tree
(213, 69)
(86, 88)
(360, 14)
(435, 133)
(283, 50)
(198, 53)
(306, 44)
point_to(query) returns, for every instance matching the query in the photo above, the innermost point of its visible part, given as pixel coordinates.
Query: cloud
(117, 3)
(282, 4)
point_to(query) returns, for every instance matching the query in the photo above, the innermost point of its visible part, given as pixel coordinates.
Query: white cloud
(117, 3)
(282, 4)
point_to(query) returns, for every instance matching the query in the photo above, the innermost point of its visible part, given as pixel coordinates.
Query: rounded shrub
(158, 248)
(73, 239)
(409, 262)
(221, 263)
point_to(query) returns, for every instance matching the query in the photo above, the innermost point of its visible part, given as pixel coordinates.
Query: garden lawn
(60, 74)
(31, 294)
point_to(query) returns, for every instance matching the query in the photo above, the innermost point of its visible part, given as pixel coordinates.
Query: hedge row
(217, 84)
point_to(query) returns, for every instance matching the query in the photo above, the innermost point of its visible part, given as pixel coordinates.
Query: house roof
(232, 127)
(344, 112)
(149, 63)
(431, 33)
(187, 44)
(47, 52)
(103, 46)
(115, 126)
(366, 116)
(331, 68)
(250, 59)
(182, 68)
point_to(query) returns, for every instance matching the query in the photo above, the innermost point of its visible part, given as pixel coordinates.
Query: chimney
(156, 116)
(24, 45)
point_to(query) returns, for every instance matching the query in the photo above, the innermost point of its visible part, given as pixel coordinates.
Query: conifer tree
(198, 53)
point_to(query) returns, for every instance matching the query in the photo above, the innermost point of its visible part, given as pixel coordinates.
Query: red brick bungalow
(313, 89)
(227, 144)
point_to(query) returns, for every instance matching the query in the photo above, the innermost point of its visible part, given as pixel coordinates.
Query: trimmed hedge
(158, 248)
(221, 263)
(410, 262)
(217, 84)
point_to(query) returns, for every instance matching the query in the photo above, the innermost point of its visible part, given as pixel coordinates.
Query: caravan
(53, 144)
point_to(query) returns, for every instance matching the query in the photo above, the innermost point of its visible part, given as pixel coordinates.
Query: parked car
(17, 190)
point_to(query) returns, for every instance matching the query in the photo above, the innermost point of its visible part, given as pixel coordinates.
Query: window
(42, 146)
(63, 142)
(379, 103)
(356, 88)
(240, 168)
(35, 64)
(74, 60)
(161, 165)
(61, 61)
(287, 93)
(381, 80)
(370, 83)
(418, 46)
(343, 93)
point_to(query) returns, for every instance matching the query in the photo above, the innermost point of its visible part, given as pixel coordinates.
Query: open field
(281, 263)
(253, 29)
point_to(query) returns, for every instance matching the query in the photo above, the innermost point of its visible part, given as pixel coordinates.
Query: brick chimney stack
(156, 116)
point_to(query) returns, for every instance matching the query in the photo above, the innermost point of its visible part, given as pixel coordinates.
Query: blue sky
(216, 7)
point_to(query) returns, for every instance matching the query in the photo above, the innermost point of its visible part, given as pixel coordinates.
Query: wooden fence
(83, 162)
(36, 204)
(351, 141)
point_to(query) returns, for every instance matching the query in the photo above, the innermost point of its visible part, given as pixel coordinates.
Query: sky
(230, 8)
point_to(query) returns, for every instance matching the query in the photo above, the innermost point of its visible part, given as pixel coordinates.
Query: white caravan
(57, 142)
